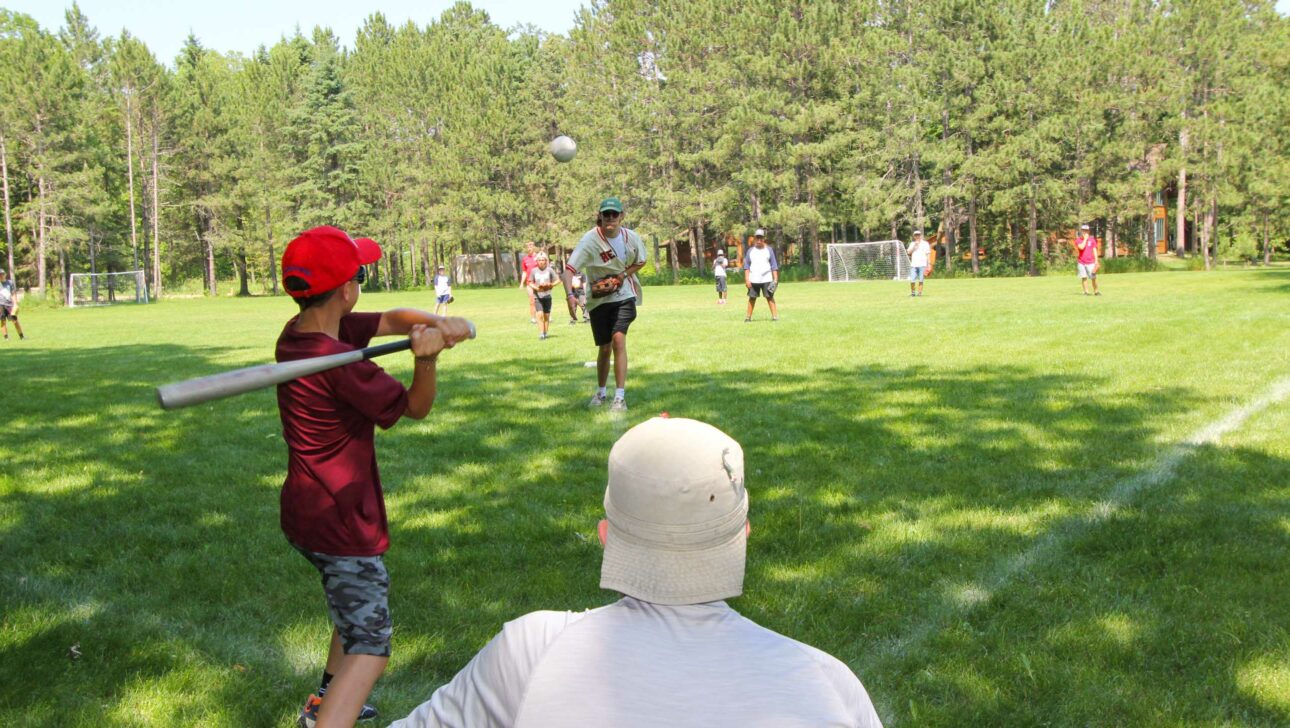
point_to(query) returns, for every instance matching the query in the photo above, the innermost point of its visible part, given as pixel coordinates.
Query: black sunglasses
(361, 276)
(610, 214)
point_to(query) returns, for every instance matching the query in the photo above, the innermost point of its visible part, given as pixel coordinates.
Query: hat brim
(659, 575)
(368, 251)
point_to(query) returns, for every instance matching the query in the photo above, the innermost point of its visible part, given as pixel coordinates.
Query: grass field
(1003, 504)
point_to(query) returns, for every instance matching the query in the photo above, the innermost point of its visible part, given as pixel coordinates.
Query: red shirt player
(333, 510)
(527, 264)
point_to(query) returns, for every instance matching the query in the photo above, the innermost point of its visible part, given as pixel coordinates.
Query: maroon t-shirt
(332, 501)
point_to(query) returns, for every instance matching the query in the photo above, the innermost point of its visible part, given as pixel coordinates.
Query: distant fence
(479, 268)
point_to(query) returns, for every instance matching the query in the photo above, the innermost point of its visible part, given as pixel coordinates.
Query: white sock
(601, 391)
(620, 393)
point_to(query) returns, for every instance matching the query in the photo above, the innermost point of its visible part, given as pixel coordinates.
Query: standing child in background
(332, 505)
(719, 265)
(919, 252)
(575, 295)
(1086, 247)
(9, 306)
(541, 280)
(442, 291)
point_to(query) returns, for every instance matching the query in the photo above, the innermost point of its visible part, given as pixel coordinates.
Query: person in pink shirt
(527, 264)
(1086, 247)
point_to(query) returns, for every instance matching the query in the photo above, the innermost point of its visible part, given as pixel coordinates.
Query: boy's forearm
(424, 387)
(399, 321)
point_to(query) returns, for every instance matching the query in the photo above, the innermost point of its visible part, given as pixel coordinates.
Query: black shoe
(309, 714)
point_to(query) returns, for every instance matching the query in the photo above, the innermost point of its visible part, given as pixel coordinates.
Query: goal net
(880, 260)
(102, 289)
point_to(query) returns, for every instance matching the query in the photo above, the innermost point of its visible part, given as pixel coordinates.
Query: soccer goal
(879, 260)
(102, 289)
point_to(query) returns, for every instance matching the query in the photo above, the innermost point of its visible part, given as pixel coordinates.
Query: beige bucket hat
(676, 507)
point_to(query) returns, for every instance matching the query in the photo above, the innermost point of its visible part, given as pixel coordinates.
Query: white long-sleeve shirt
(633, 664)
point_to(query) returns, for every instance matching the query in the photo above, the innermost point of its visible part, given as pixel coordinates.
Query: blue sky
(242, 25)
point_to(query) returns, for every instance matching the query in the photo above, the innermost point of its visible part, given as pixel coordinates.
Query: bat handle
(372, 352)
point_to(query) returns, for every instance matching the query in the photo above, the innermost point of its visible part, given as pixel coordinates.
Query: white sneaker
(618, 405)
(597, 400)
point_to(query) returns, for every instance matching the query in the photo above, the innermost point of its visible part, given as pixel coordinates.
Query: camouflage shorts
(358, 597)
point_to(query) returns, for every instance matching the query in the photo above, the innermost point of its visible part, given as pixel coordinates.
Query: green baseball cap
(611, 204)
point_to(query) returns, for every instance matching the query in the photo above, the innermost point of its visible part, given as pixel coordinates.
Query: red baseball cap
(325, 258)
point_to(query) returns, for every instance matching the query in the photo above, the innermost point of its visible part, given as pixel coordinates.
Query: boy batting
(332, 505)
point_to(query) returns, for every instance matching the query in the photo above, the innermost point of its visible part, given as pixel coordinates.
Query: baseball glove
(606, 286)
(770, 287)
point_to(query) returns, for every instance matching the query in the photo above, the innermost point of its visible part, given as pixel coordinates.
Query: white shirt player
(919, 251)
(634, 664)
(719, 266)
(442, 287)
(541, 277)
(760, 263)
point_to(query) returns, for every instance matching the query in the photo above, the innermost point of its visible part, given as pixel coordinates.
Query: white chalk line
(969, 596)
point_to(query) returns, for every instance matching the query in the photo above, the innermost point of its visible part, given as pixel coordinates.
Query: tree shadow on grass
(1280, 277)
(151, 539)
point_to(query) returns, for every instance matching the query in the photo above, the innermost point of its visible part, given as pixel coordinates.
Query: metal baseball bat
(239, 381)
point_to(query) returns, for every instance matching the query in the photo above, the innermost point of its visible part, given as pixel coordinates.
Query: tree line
(999, 125)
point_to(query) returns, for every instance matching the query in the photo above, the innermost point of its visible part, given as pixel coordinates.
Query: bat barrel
(226, 384)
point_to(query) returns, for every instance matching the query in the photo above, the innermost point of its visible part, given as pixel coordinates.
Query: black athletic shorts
(544, 303)
(759, 289)
(608, 319)
(6, 313)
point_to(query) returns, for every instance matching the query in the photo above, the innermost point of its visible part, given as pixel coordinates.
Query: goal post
(878, 260)
(103, 289)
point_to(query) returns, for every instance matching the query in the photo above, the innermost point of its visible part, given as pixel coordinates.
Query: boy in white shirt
(719, 265)
(919, 253)
(541, 280)
(761, 275)
(442, 292)
(9, 306)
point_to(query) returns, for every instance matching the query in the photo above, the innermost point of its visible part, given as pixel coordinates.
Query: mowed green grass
(925, 479)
